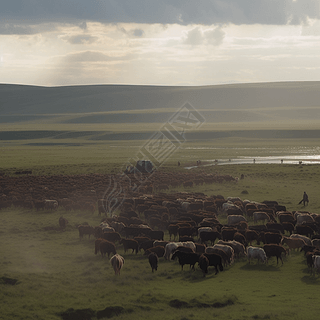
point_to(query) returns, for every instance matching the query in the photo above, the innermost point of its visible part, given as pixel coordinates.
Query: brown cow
(63, 222)
(85, 229)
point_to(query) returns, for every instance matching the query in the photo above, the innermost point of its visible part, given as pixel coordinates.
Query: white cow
(316, 263)
(256, 253)
(239, 248)
(169, 249)
(51, 204)
(172, 246)
(105, 227)
(227, 249)
(117, 263)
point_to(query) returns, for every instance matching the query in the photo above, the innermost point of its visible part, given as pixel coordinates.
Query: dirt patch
(178, 304)
(229, 302)
(110, 312)
(194, 303)
(88, 314)
(11, 281)
(77, 314)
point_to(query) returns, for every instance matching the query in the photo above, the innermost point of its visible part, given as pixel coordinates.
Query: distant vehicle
(143, 166)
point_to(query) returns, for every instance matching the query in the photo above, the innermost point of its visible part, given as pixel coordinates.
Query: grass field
(56, 271)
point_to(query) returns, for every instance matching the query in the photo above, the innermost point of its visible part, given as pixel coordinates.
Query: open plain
(47, 272)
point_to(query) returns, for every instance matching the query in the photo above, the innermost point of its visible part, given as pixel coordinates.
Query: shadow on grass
(310, 278)
(261, 267)
(194, 276)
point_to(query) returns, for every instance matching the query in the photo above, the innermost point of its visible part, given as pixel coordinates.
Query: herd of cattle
(81, 192)
(190, 223)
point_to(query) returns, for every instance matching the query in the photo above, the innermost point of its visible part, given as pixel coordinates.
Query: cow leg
(216, 267)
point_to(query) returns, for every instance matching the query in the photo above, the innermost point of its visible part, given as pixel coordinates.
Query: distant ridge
(35, 100)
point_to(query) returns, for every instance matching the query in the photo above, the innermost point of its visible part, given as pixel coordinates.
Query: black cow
(204, 264)
(252, 235)
(63, 222)
(240, 238)
(130, 244)
(274, 250)
(209, 236)
(156, 234)
(275, 226)
(106, 247)
(304, 230)
(173, 230)
(153, 260)
(111, 236)
(307, 248)
(146, 245)
(270, 237)
(186, 231)
(158, 250)
(186, 258)
(227, 234)
(214, 260)
(288, 226)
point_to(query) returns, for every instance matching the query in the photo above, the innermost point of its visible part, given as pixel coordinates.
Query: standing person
(305, 199)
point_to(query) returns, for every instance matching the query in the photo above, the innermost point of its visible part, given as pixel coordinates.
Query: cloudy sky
(158, 42)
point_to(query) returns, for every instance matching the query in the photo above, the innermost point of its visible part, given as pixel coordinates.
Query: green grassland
(57, 271)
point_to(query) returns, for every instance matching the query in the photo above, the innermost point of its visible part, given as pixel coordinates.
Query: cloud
(25, 28)
(194, 37)
(10, 29)
(215, 36)
(197, 36)
(88, 56)
(137, 32)
(83, 25)
(313, 29)
(80, 39)
(184, 12)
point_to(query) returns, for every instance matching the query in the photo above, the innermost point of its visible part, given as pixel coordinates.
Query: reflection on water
(292, 159)
(314, 159)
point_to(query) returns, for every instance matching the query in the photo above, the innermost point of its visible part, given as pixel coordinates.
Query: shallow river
(312, 159)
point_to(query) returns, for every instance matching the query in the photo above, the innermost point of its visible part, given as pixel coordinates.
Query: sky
(158, 42)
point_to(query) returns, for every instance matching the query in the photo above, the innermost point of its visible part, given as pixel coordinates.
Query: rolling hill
(105, 110)
(33, 100)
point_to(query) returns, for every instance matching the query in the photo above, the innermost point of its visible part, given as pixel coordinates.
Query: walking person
(305, 199)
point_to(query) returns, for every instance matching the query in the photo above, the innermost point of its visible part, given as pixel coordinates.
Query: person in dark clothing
(305, 199)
